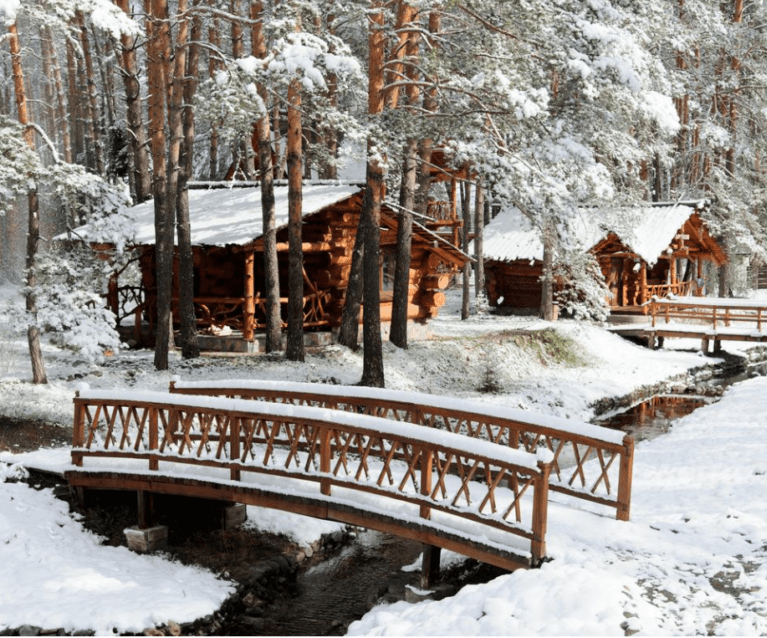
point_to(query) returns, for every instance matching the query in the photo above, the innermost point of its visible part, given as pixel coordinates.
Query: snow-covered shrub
(585, 292)
(70, 305)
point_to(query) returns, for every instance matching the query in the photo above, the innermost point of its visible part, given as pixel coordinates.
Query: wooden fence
(570, 441)
(480, 499)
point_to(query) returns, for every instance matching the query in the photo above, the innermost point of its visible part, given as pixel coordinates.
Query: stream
(369, 570)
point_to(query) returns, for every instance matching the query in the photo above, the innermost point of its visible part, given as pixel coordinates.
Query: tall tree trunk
(295, 345)
(372, 362)
(94, 124)
(213, 67)
(62, 129)
(273, 337)
(399, 321)
(348, 334)
(547, 280)
(187, 87)
(479, 214)
(466, 206)
(134, 114)
(75, 110)
(33, 230)
(159, 52)
(407, 49)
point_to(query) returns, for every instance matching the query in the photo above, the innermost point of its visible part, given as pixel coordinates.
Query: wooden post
(234, 446)
(454, 209)
(427, 456)
(145, 508)
(430, 565)
(625, 477)
(78, 431)
(704, 345)
(154, 439)
(325, 460)
(643, 283)
(249, 311)
(540, 513)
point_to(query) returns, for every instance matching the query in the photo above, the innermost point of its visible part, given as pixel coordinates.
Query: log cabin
(229, 290)
(655, 249)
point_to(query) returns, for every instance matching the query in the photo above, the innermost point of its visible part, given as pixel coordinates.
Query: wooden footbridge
(477, 484)
(710, 319)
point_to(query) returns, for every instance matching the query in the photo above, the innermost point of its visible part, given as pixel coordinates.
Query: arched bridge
(477, 497)
(605, 481)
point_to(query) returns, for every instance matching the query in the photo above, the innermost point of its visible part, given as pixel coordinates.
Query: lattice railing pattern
(606, 481)
(478, 484)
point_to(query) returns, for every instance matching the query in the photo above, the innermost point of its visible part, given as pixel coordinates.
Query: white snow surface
(221, 216)
(647, 230)
(690, 561)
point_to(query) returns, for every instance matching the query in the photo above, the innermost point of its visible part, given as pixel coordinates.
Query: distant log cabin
(661, 251)
(229, 290)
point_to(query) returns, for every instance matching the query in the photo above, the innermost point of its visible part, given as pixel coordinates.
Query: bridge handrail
(708, 309)
(517, 429)
(331, 449)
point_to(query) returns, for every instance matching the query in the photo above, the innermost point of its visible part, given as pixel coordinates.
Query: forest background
(546, 105)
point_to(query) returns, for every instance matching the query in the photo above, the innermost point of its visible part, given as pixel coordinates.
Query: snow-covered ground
(691, 560)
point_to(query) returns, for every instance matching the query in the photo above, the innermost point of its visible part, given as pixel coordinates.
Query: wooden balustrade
(475, 497)
(605, 482)
(708, 310)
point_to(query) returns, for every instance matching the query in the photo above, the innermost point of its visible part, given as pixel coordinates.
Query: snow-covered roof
(646, 230)
(221, 216)
(651, 229)
(511, 235)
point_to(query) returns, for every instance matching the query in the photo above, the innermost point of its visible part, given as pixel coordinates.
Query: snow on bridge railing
(572, 443)
(423, 479)
(711, 310)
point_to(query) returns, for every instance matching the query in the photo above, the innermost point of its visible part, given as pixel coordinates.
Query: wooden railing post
(325, 460)
(154, 439)
(540, 513)
(427, 457)
(78, 431)
(234, 446)
(625, 476)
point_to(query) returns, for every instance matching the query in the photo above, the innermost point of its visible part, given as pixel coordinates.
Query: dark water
(654, 416)
(335, 592)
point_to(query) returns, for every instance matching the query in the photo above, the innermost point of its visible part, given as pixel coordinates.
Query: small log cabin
(660, 250)
(229, 290)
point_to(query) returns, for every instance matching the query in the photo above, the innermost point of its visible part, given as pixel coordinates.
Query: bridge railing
(606, 482)
(715, 311)
(428, 479)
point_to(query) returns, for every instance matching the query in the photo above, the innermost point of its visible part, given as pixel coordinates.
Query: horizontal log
(436, 281)
(433, 299)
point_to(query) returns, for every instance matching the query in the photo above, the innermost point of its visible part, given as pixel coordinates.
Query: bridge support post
(145, 501)
(717, 346)
(146, 537)
(430, 565)
(704, 345)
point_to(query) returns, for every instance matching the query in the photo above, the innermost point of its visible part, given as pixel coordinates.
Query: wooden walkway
(479, 498)
(710, 319)
(606, 482)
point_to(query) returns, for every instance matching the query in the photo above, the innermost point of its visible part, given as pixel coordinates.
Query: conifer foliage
(544, 106)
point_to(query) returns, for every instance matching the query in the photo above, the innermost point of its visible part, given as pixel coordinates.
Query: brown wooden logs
(436, 281)
(433, 299)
